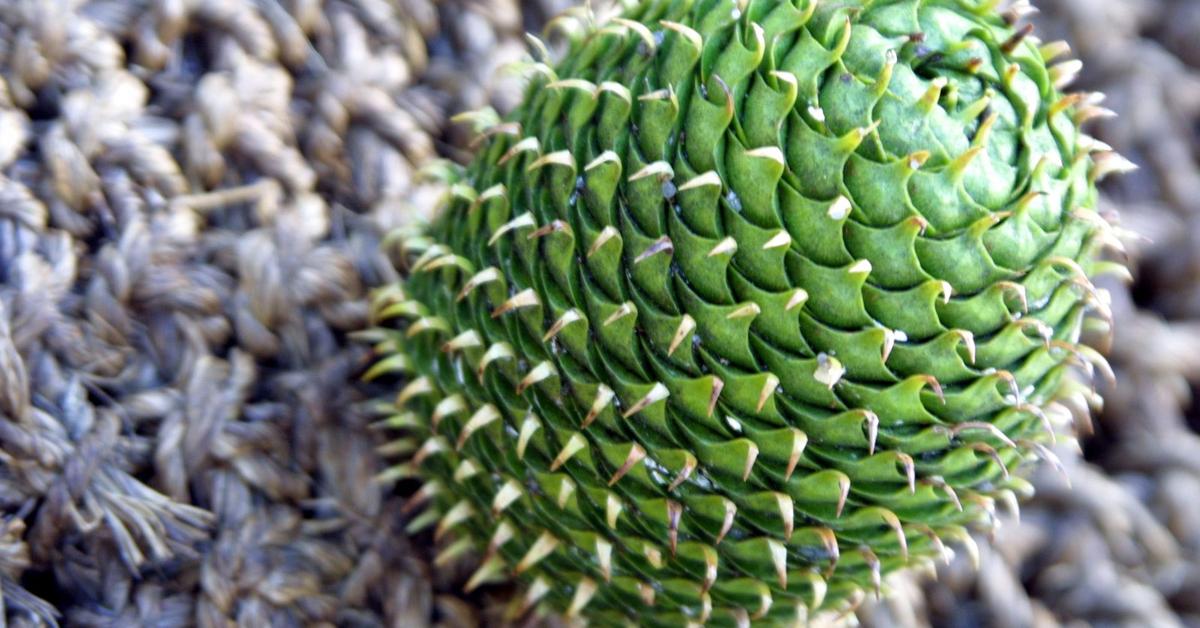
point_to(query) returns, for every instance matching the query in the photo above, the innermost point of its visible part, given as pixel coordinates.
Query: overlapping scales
(748, 305)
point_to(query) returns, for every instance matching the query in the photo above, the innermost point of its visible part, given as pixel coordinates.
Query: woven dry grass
(192, 194)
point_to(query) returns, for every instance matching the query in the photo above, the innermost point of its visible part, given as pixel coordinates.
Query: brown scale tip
(636, 455)
(1011, 43)
(830, 542)
(727, 522)
(1017, 11)
(843, 494)
(876, 572)
(674, 510)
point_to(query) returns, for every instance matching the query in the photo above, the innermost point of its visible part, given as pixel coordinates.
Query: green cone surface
(748, 305)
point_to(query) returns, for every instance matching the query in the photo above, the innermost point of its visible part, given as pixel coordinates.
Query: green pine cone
(750, 304)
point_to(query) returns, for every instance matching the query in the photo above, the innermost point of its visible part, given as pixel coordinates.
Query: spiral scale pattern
(750, 304)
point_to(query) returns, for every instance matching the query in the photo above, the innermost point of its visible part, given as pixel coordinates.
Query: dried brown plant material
(191, 197)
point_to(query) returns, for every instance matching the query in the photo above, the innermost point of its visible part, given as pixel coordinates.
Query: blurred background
(192, 194)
